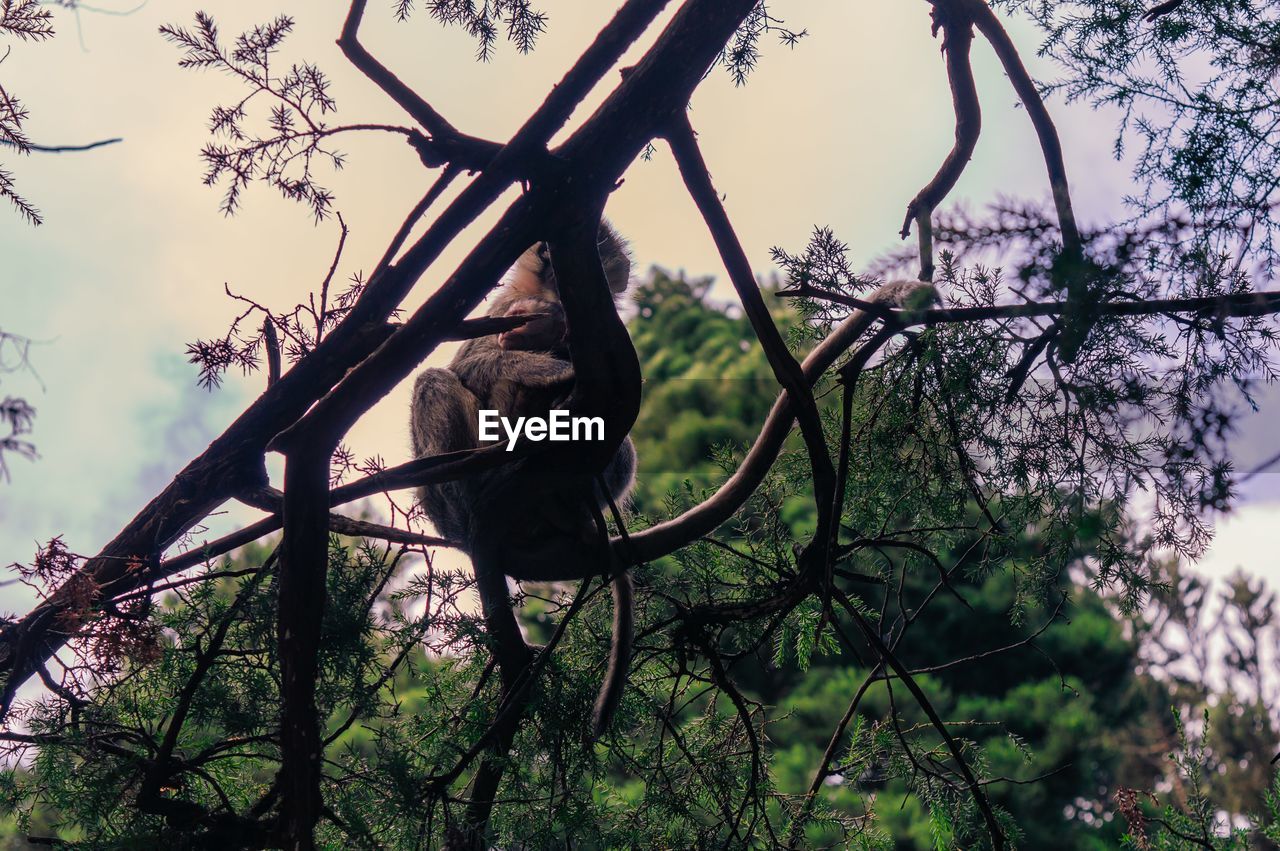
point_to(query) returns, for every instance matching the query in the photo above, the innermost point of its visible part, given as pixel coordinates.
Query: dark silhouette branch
(1050, 145)
(1234, 305)
(516, 685)
(271, 345)
(786, 369)
(599, 151)
(437, 188)
(303, 591)
(888, 658)
(665, 78)
(272, 500)
(796, 833)
(671, 535)
(234, 461)
(705, 517)
(1160, 10)
(405, 97)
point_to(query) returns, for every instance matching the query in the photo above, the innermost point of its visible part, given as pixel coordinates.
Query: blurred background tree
(1075, 700)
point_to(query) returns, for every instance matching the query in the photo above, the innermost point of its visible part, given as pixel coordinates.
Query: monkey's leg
(445, 418)
(553, 538)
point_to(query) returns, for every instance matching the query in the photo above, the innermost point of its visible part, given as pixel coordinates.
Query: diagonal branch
(888, 658)
(594, 156)
(828, 756)
(671, 535)
(1050, 145)
(234, 461)
(693, 168)
(272, 500)
(408, 100)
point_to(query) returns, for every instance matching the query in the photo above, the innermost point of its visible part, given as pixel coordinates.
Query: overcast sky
(132, 261)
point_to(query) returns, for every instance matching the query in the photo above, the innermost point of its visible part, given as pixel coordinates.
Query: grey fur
(523, 520)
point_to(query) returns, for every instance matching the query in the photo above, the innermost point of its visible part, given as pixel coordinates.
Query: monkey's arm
(486, 366)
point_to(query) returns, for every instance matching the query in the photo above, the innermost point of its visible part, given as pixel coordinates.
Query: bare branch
(1050, 145)
(63, 149)
(408, 100)
(957, 39)
(1234, 305)
(693, 168)
(888, 658)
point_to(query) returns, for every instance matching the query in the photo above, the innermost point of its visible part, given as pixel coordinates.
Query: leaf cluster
(284, 154)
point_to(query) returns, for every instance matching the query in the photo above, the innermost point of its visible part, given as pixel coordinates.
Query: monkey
(535, 525)
(547, 333)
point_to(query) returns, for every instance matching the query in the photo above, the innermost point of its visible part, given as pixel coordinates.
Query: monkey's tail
(615, 676)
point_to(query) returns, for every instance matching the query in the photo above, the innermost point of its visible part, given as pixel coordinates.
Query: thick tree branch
(606, 367)
(663, 73)
(234, 461)
(303, 591)
(703, 519)
(693, 168)
(599, 151)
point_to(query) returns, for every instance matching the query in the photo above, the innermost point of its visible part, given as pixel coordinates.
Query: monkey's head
(533, 275)
(546, 332)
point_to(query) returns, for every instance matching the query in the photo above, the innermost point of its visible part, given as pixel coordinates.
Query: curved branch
(693, 168)
(703, 519)
(606, 365)
(957, 39)
(234, 461)
(408, 100)
(594, 157)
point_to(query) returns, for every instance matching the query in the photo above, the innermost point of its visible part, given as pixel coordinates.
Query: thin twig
(62, 149)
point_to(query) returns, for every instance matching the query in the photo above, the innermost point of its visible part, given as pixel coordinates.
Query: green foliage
(748, 688)
(1194, 819)
(1066, 710)
(1194, 88)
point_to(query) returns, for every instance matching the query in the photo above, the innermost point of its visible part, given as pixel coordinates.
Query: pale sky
(131, 263)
